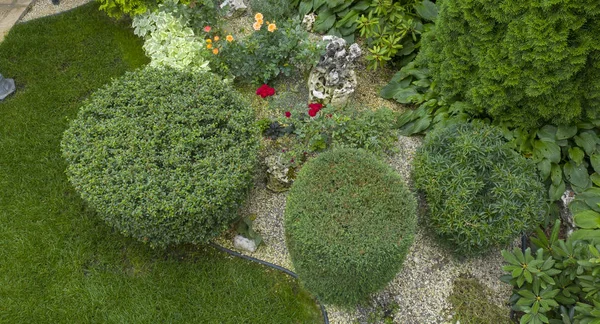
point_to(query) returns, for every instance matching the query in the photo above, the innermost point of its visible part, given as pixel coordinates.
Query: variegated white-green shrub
(169, 41)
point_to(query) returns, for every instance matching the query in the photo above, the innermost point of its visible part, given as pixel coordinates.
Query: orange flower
(256, 26)
(209, 41)
(260, 21)
(229, 38)
(272, 27)
(216, 51)
(216, 38)
(258, 16)
(209, 46)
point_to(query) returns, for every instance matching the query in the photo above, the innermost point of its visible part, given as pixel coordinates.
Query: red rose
(314, 109)
(316, 106)
(265, 91)
(207, 29)
(288, 114)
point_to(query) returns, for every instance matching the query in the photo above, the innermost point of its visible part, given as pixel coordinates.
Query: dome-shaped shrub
(349, 222)
(163, 156)
(480, 193)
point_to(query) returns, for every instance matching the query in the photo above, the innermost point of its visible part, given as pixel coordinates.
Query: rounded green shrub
(164, 156)
(349, 222)
(526, 62)
(480, 193)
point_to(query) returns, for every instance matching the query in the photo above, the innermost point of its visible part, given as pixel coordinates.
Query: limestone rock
(236, 7)
(308, 21)
(277, 174)
(566, 217)
(242, 243)
(333, 79)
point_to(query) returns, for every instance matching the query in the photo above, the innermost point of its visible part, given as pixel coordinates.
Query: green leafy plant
(479, 192)
(335, 17)
(164, 156)
(394, 28)
(349, 222)
(168, 40)
(119, 8)
(559, 283)
(335, 127)
(274, 9)
(497, 57)
(265, 54)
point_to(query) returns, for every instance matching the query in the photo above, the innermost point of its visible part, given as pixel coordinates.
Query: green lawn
(58, 262)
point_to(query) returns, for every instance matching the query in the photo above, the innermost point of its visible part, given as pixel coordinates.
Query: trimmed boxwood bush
(349, 222)
(480, 193)
(165, 157)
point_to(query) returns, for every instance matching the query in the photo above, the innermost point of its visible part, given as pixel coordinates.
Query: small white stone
(243, 243)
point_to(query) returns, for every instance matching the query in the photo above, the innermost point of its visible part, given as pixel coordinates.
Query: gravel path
(42, 8)
(420, 290)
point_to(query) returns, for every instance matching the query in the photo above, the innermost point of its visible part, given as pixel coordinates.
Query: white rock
(333, 79)
(235, 7)
(243, 243)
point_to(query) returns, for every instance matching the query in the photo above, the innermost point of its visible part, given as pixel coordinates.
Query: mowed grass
(58, 262)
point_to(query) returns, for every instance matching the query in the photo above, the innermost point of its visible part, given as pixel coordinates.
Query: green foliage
(264, 55)
(559, 283)
(564, 154)
(527, 63)
(118, 8)
(471, 303)
(336, 127)
(274, 9)
(169, 42)
(163, 156)
(349, 222)
(55, 251)
(479, 192)
(394, 28)
(335, 17)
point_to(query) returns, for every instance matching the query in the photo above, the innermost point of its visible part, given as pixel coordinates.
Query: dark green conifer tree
(525, 61)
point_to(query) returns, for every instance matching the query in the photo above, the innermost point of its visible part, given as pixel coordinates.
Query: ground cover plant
(349, 222)
(181, 148)
(557, 282)
(60, 262)
(479, 192)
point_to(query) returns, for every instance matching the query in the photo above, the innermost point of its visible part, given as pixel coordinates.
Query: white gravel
(420, 289)
(42, 8)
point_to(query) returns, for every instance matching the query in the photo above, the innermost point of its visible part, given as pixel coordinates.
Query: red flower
(314, 109)
(265, 91)
(316, 106)
(288, 114)
(207, 29)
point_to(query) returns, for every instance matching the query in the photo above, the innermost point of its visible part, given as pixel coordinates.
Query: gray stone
(277, 174)
(236, 7)
(308, 21)
(566, 217)
(242, 243)
(7, 86)
(333, 79)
